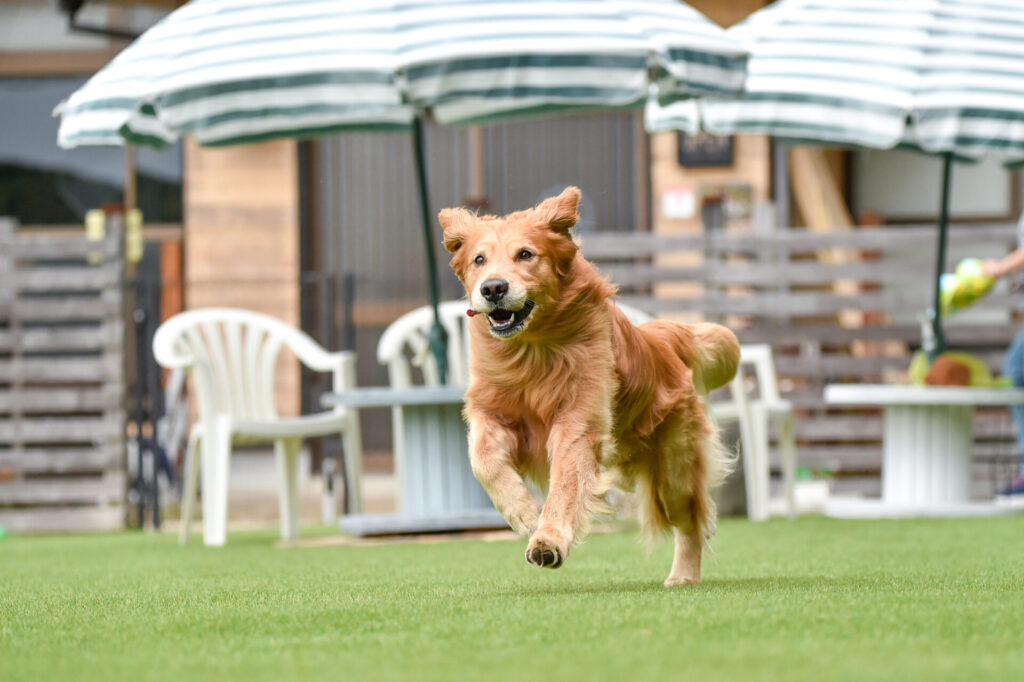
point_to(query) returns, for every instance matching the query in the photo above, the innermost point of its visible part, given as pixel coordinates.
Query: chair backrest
(407, 336)
(759, 357)
(234, 356)
(635, 315)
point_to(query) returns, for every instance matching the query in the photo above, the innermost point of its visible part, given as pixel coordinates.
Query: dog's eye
(525, 254)
(479, 260)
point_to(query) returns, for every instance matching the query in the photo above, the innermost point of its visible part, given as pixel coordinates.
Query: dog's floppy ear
(453, 222)
(561, 212)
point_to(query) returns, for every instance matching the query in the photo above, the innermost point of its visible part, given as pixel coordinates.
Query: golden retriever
(567, 392)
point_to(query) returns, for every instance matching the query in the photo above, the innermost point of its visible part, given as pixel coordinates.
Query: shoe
(1013, 493)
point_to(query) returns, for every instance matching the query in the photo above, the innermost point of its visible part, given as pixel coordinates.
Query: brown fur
(580, 394)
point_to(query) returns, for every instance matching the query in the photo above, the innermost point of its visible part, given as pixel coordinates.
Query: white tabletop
(383, 396)
(896, 394)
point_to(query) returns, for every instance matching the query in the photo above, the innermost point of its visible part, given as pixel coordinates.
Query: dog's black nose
(494, 289)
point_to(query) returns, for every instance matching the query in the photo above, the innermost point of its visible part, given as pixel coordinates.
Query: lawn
(813, 599)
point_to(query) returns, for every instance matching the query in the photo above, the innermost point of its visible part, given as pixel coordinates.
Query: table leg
(436, 476)
(927, 454)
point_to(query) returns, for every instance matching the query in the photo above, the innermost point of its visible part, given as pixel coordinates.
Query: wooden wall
(776, 287)
(62, 358)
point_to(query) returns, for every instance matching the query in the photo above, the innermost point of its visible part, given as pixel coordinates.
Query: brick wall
(241, 237)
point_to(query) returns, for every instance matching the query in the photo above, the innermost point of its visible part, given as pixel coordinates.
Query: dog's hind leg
(692, 463)
(492, 448)
(686, 561)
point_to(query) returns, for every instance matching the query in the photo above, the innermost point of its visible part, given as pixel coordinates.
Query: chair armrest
(166, 349)
(344, 371)
(341, 364)
(313, 355)
(777, 407)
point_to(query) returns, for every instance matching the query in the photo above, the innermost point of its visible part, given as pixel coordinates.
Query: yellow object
(95, 224)
(980, 374)
(95, 231)
(133, 235)
(963, 287)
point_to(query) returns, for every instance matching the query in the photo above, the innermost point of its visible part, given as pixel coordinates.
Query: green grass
(814, 599)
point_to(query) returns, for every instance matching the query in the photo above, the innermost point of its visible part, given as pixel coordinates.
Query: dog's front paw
(545, 552)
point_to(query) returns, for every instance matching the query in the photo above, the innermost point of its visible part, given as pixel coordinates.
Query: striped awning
(233, 71)
(937, 75)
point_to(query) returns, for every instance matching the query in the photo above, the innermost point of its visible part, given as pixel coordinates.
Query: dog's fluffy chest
(536, 389)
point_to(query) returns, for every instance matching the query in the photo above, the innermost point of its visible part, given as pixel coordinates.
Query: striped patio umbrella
(238, 71)
(232, 71)
(941, 76)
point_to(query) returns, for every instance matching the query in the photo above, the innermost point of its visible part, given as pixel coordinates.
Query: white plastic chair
(755, 416)
(233, 355)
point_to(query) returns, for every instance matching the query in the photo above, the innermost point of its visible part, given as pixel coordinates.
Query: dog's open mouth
(508, 322)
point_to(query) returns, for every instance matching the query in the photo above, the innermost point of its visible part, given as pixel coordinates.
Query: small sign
(704, 150)
(679, 202)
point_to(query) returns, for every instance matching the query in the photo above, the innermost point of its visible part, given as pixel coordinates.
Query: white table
(436, 487)
(927, 442)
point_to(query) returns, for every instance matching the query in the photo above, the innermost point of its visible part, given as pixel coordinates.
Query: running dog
(567, 392)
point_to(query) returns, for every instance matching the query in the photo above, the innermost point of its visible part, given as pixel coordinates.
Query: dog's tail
(711, 351)
(717, 355)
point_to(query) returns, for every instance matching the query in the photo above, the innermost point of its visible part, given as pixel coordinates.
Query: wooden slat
(108, 489)
(47, 63)
(71, 278)
(761, 274)
(916, 238)
(799, 303)
(775, 334)
(863, 457)
(61, 370)
(96, 369)
(55, 247)
(836, 428)
(847, 365)
(91, 337)
(865, 426)
(54, 400)
(69, 430)
(68, 309)
(63, 520)
(60, 460)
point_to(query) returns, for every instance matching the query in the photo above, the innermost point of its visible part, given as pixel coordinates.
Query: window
(42, 184)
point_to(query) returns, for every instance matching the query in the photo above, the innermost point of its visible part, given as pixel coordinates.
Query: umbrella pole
(438, 337)
(940, 264)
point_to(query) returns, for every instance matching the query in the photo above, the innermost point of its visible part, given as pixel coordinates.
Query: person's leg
(1014, 369)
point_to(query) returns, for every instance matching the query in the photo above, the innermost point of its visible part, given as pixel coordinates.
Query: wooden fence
(62, 421)
(836, 307)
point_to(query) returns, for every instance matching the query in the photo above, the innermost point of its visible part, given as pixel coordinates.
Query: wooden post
(131, 187)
